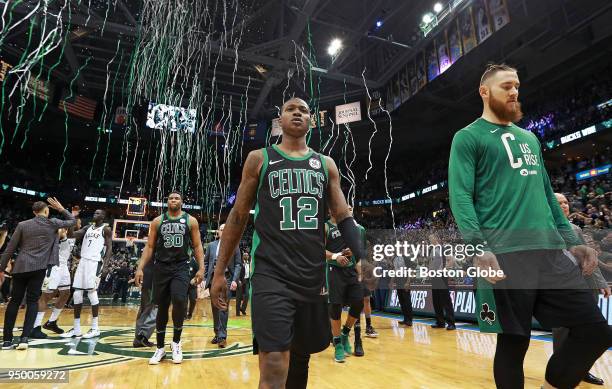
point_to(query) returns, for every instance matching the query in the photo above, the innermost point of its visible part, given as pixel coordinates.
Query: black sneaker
(358, 352)
(243, 312)
(370, 332)
(7, 345)
(214, 340)
(188, 317)
(451, 327)
(438, 325)
(23, 343)
(405, 323)
(37, 333)
(52, 326)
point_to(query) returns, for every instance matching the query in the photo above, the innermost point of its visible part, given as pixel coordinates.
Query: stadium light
(428, 18)
(379, 23)
(438, 8)
(334, 47)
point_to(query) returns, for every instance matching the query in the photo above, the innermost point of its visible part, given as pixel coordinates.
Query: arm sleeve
(563, 225)
(11, 247)
(351, 234)
(461, 180)
(69, 222)
(237, 265)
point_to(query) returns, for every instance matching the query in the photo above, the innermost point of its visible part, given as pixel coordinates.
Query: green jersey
(336, 244)
(500, 193)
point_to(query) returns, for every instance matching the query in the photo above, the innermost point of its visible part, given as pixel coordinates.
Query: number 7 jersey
(290, 213)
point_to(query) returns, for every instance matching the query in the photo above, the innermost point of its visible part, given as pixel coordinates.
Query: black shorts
(343, 285)
(170, 279)
(545, 284)
(282, 323)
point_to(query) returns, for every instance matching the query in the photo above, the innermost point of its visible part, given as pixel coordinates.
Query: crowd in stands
(573, 109)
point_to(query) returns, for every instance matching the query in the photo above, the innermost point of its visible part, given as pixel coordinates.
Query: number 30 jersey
(289, 238)
(173, 239)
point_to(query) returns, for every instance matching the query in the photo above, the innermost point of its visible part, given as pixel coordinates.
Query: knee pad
(93, 297)
(335, 311)
(356, 308)
(78, 296)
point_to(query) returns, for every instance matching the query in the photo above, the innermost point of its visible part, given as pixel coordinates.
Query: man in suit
(242, 295)
(38, 244)
(232, 274)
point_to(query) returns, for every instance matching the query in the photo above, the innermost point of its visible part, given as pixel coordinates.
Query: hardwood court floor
(417, 357)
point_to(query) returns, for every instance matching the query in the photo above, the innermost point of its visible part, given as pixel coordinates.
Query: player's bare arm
(197, 247)
(235, 224)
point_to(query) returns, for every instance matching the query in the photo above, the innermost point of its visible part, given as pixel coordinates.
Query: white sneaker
(92, 333)
(177, 352)
(159, 355)
(70, 334)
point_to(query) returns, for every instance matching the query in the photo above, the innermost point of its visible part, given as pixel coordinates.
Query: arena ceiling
(550, 41)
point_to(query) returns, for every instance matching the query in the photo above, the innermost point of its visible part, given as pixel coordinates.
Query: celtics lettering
(296, 181)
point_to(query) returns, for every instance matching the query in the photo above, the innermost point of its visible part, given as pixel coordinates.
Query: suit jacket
(232, 273)
(596, 280)
(38, 243)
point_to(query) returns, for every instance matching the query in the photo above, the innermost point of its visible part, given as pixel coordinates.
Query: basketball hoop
(129, 241)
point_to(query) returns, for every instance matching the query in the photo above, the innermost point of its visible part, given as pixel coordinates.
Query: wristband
(335, 256)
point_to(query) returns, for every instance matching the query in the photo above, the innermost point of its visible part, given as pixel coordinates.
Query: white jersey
(93, 243)
(65, 248)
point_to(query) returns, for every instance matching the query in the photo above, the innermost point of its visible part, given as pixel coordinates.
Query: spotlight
(437, 8)
(334, 47)
(379, 23)
(427, 18)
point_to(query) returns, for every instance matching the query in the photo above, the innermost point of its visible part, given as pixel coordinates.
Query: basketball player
(370, 332)
(57, 284)
(96, 239)
(292, 187)
(344, 288)
(367, 288)
(172, 236)
(501, 198)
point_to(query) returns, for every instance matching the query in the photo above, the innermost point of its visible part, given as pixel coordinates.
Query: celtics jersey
(335, 243)
(500, 192)
(289, 238)
(173, 239)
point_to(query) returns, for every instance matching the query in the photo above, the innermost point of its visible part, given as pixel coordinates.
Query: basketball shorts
(87, 274)
(58, 279)
(170, 279)
(281, 322)
(343, 285)
(545, 284)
